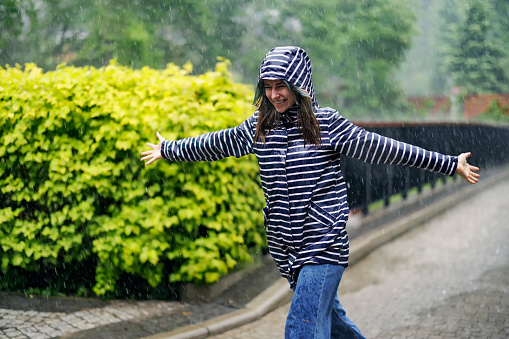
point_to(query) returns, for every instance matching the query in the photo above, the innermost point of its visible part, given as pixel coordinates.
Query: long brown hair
(268, 117)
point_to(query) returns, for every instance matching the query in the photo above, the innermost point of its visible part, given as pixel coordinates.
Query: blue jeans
(315, 311)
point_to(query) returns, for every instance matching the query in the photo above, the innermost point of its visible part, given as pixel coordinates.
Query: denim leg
(342, 326)
(310, 313)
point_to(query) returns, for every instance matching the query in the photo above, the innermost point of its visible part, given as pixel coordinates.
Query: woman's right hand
(155, 153)
(466, 170)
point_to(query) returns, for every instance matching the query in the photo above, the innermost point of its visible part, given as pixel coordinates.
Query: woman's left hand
(466, 170)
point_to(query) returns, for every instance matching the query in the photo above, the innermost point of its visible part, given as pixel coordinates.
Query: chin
(281, 109)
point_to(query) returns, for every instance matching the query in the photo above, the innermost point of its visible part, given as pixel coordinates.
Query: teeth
(279, 102)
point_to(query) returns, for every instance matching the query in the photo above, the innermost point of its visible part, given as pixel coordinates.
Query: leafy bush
(76, 199)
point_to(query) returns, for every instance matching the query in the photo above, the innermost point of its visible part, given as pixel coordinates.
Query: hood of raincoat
(289, 63)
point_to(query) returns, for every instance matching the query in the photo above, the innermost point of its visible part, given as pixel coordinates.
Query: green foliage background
(479, 61)
(355, 46)
(76, 200)
(457, 43)
(367, 55)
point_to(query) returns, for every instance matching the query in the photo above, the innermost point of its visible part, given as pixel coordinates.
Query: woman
(298, 146)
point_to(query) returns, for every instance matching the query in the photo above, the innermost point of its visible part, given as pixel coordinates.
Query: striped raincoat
(305, 192)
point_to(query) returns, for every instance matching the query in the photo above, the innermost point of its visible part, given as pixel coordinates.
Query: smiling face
(278, 94)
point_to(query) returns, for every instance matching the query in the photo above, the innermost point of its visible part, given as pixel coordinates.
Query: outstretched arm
(212, 146)
(466, 170)
(356, 142)
(154, 154)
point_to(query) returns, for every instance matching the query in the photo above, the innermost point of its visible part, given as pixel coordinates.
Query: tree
(476, 62)
(48, 32)
(378, 34)
(13, 15)
(115, 32)
(10, 21)
(355, 46)
(500, 27)
(136, 33)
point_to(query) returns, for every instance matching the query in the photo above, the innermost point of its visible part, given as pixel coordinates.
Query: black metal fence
(367, 183)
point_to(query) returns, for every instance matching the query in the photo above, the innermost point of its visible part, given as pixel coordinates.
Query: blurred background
(372, 59)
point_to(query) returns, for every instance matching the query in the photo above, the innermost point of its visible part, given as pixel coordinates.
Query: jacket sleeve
(356, 142)
(236, 141)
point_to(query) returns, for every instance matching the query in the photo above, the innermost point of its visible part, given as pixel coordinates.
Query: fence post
(388, 192)
(367, 201)
(433, 180)
(407, 182)
(422, 177)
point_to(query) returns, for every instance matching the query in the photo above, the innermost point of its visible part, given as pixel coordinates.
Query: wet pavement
(448, 278)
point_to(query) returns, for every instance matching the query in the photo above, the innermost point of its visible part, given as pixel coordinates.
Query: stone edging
(274, 296)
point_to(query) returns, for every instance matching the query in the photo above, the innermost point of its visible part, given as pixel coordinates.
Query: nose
(274, 93)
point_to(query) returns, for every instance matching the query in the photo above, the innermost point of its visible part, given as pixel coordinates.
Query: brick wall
(476, 104)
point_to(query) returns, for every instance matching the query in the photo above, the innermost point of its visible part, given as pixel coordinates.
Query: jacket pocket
(318, 221)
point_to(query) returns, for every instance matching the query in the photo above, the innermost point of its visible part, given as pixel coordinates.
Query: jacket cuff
(165, 150)
(454, 160)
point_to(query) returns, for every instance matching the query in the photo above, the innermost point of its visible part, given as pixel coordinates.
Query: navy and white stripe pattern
(305, 192)
(291, 64)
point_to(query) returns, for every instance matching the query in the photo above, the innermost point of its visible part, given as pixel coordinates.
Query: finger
(473, 168)
(477, 175)
(145, 158)
(160, 137)
(150, 161)
(151, 145)
(147, 152)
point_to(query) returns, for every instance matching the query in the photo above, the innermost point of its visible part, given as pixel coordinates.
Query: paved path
(18, 324)
(69, 318)
(448, 278)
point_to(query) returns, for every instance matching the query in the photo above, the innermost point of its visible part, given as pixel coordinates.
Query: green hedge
(76, 199)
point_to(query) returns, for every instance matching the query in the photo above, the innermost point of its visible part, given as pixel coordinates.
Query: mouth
(278, 102)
